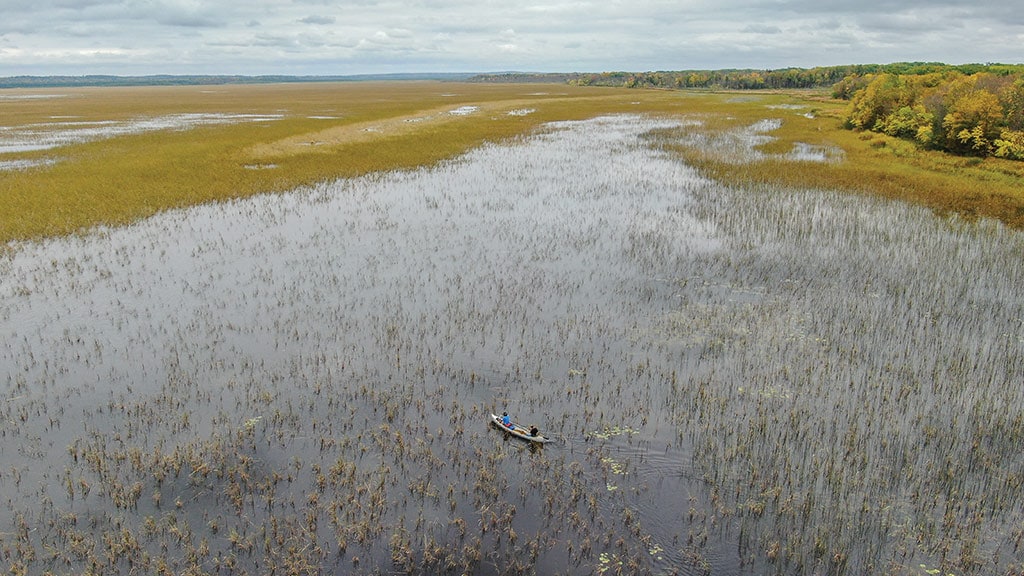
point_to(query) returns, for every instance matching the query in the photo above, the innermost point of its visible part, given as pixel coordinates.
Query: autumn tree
(980, 114)
(974, 117)
(849, 85)
(1010, 143)
(884, 94)
(1012, 99)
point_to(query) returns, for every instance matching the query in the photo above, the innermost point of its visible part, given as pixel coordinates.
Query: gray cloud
(323, 20)
(363, 36)
(762, 29)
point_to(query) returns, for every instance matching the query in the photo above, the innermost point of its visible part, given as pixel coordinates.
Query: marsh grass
(117, 180)
(870, 163)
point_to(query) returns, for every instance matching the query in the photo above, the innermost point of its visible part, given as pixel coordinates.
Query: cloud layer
(384, 36)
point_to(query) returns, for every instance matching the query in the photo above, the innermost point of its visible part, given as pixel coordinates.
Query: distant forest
(750, 79)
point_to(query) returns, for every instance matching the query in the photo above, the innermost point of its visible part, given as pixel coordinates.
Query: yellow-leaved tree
(870, 106)
(974, 117)
(1010, 143)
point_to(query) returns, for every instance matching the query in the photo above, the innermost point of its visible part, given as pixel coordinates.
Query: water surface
(741, 381)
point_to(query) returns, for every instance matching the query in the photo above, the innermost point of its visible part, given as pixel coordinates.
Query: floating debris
(612, 431)
(614, 465)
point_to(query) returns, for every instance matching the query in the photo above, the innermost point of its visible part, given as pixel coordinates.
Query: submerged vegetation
(753, 379)
(751, 362)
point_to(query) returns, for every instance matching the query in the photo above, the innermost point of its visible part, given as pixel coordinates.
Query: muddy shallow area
(740, 382)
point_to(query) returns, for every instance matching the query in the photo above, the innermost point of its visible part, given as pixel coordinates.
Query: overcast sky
(328, 37)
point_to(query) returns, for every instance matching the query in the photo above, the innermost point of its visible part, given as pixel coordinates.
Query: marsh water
(739, 381)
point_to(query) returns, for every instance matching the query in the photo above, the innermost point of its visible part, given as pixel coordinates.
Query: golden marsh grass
(871, 163)
(290, 135)
(120, 179)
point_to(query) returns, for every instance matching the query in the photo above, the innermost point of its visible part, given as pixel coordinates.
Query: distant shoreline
(99, 80)
(732, 78)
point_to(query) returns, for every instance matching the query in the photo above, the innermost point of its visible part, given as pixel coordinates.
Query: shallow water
(741, 382)
(64, 132)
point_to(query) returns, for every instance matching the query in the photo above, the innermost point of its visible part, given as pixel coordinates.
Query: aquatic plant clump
(741, 381)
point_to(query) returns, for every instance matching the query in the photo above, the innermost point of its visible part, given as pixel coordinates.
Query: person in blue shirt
(505, 420)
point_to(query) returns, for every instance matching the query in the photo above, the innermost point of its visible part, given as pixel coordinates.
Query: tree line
(752, 79)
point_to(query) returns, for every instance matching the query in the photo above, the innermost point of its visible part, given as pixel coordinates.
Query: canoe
(519, 431)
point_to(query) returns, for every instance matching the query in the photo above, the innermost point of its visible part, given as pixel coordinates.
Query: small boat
(519, 431)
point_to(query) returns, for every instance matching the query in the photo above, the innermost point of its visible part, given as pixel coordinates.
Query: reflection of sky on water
(504, 216)
(49, 135)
